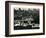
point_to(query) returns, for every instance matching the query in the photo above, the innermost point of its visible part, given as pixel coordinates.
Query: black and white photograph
(26, 18)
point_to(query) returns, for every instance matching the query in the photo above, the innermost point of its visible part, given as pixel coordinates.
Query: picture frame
(16, 11)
